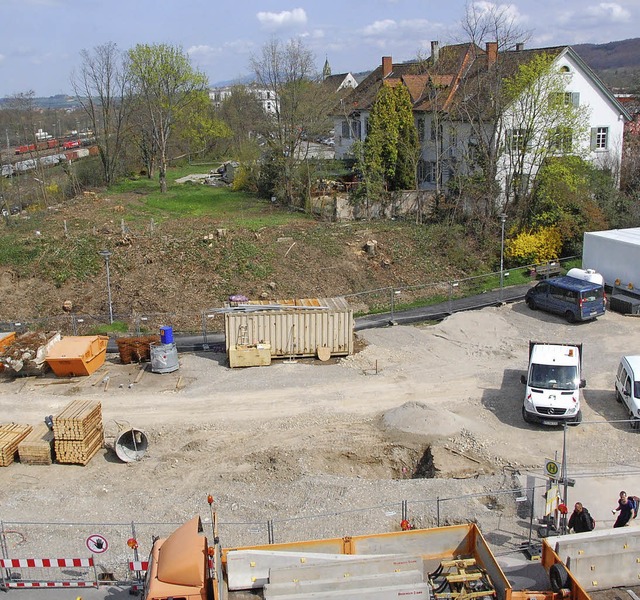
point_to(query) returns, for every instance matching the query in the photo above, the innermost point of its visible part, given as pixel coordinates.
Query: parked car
(574, 299)
(628, 387)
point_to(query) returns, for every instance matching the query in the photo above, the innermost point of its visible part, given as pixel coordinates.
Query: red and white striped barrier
(138, 565)
(49, 584)
(16, 563)
(45, 563)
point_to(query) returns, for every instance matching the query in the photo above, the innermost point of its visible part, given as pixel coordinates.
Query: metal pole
(564, 476)
(106, 254)
(503, 218)
(109, 293)
(391, 320)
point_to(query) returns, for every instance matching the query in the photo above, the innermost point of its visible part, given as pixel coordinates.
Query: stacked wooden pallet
(11, 434)
(78, 432)
(37, 447)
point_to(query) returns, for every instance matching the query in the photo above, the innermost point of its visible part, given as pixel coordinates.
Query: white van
(553, 382)
(628, 387)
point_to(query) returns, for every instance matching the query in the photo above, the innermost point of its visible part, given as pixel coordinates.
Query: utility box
(255, 355)
(77, 355)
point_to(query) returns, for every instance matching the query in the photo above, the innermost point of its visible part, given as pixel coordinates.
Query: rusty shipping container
(306, 327)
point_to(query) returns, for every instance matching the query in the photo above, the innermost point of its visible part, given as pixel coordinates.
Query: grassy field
(194, 200)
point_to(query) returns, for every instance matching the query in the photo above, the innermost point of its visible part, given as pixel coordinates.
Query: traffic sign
(97, 544)
(552, 468)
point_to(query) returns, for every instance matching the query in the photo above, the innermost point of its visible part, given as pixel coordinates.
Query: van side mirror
(523, 379)
(583, 383)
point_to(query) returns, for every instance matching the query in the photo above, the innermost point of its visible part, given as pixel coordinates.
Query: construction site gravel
(420, 412)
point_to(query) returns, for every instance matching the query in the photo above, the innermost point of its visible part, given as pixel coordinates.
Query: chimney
(492, 53)
(435, 52)
(387, 66)
(519, 47)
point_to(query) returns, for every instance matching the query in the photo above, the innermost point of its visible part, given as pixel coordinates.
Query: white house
(453, 88)
(267, 98)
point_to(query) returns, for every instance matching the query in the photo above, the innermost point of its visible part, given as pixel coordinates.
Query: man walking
(580, 520)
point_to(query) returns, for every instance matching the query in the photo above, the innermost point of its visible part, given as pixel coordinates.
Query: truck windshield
(554, 377)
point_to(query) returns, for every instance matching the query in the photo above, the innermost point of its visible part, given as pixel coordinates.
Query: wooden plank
(37, 447)
(11, 434)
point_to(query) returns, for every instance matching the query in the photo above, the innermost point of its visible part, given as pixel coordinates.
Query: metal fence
(505, 517)
(209, 321)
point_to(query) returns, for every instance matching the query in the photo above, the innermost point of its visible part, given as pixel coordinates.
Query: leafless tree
(102, 88)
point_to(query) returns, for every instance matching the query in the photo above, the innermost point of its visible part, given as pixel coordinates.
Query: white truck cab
(553, 383)
(628, 387)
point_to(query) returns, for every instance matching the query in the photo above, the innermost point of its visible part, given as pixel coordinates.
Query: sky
(41, 40)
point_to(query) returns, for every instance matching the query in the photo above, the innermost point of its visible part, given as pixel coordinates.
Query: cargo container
(320, 327)
(615, 254)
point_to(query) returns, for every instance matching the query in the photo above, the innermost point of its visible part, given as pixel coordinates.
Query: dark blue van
(574, 299)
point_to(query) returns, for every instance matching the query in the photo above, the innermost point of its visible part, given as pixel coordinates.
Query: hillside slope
(184, 266)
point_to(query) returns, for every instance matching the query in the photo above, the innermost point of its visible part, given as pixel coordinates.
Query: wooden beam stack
(78, 432)
(11, 434)
(37, 447)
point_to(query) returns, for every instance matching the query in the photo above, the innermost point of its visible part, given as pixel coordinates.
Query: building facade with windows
(267, 98)
(454, 102)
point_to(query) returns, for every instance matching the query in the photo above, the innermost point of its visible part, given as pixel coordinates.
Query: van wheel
(570, 317)
(618, 397)
(577, 420)
(525, 416)
(558, 577)
(635, 424)
(531, 303)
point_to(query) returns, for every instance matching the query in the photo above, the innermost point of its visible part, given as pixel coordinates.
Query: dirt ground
(419, 412)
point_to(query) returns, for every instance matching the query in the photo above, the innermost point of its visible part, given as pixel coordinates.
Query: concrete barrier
(601, 560)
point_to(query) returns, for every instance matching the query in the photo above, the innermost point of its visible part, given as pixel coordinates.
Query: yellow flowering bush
(532, 247)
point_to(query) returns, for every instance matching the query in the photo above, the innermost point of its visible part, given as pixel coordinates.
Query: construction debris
(26, 354)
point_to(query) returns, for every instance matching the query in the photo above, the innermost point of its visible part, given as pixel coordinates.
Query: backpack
(590, 521)
(634, 501)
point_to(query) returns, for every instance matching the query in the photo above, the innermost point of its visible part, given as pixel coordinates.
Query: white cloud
(379, 27)
(286, 18)
(209, 55)
(609, 11)
(483, 8)
(202, 50)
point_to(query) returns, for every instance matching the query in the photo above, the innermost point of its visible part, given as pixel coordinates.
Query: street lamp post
(503, 218)
(106, 254)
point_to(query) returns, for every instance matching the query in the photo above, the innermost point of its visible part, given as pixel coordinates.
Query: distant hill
(617, 63)
(50, 102)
